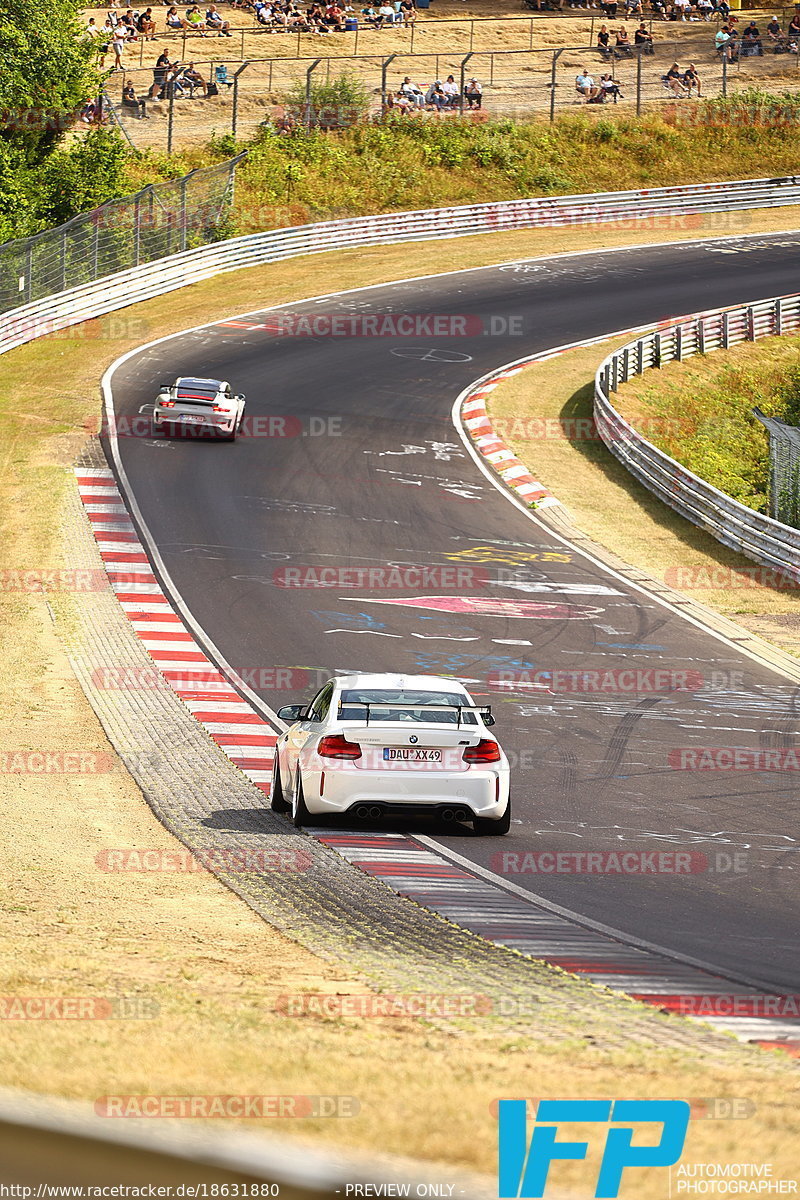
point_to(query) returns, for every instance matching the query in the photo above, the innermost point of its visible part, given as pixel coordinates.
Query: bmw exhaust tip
(375, 812)
(362, 811)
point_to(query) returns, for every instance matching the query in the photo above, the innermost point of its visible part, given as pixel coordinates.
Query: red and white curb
(492, 447)
(451, 889)
(242, 735)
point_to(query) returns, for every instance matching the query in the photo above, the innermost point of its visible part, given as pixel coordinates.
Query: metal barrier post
(183, 233)
(63, 287)
(462, 84)
(235, 112)
(556, 56)
(137, 208)
(471, 34)
(314, 64)
(29, 273)
(170, 114)
(639, 83)
(530, 43)
(725, 73)
(384, 69)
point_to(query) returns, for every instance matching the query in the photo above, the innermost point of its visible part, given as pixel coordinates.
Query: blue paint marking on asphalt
(632, 645)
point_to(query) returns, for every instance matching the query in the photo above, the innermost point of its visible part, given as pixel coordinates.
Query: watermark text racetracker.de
(628, 863)
(390, 325)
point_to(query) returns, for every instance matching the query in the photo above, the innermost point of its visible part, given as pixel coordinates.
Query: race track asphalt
(371, 472)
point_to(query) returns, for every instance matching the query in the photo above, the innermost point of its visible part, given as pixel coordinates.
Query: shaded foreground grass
(190, 945)
(616, 511)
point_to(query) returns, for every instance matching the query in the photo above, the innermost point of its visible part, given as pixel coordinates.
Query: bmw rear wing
(483, 710)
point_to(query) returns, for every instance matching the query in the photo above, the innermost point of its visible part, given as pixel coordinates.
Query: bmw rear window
(414, 704)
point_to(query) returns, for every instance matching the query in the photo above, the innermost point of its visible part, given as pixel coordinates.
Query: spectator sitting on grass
(334, 16)
(751, 40)
(215, 21)
(146, 25)
(130, 100)
(673, 80)
(584, 84)
(174, 20)
(413, 92)
(435, 97)
(691, 79)
(643, 38)
(610, 88)
(450, 89)
(473, 94)
(623, 45)
(190, 77)
(195, 21)
(793, 33)
(604, 42)
(705, 9)
(774, 32)
(385, 15)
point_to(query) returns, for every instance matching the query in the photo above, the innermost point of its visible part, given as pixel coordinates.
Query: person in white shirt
(413, 92)
(385, 15)
(450, 89)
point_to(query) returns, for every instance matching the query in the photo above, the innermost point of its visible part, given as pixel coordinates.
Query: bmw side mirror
(291, 712)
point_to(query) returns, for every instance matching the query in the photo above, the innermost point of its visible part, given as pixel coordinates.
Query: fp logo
(523, 1168)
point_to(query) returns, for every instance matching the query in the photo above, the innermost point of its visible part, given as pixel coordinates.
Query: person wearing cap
(435, 96)
(473, 93)
(414, 93)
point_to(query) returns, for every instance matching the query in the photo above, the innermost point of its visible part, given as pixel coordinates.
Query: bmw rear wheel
(494, 826)
(277, 801)
(300, 814)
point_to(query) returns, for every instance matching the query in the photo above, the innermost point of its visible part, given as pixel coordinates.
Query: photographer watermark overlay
(646, 681)
(56, 762)
(728, 1179)
(78, 1008)
(423, 1005)
(733, 1004)
(455, 576)
(686, 579)
(702, 1108)
(393, 325)
(733, 758)
(230, 1107)
(180, 677)
(53, 579)
(180, 861)
(266, 425)
(618, 862)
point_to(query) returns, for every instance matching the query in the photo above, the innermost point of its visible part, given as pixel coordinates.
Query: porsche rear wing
(483, 710)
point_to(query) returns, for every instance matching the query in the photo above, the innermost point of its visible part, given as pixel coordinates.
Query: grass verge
(609, 505)
(194, 948)
(701, 412)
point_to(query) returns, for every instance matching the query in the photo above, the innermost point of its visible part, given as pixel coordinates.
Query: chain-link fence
(516, 83)
(784, 469)
(159, 220)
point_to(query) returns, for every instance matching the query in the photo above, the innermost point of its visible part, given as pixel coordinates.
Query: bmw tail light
(219, 408)
(166, 403)
(486, 751)
(336, 745)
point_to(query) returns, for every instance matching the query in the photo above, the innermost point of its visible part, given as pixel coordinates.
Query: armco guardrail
(23, 324)
(753, 534)
(48, 1143)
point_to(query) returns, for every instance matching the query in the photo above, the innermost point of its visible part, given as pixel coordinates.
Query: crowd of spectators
(410, 98)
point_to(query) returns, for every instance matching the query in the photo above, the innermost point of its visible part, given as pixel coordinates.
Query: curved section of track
(373, 473)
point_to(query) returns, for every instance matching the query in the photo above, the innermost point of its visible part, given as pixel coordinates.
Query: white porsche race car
(372, 745)
(199, 405)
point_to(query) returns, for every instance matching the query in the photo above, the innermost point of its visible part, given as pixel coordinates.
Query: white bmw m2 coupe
(371, 745)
